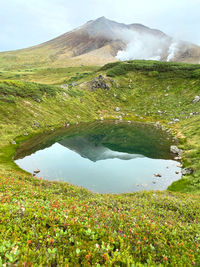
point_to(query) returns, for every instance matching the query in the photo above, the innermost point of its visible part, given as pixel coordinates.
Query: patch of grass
(51, 223)
(9, 89)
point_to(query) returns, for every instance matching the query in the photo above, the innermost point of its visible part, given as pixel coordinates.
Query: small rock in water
(154, 182)
(177, 172)
(36, 171)
(157, 175)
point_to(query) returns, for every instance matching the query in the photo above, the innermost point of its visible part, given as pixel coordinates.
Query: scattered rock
(175, 139)
(179, 165)
(196, 99)
(186, 171)
(25, 133)
(173, 121)
(13, 142)
(65, 94)
(36, 124)
(36, 171)
(117, 109)
(157, 124)
(65, 86)
(66, 124)
(74, 84)
(194, 113)
(176, 150)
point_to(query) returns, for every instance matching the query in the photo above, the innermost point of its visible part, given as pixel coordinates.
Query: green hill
(57, 224)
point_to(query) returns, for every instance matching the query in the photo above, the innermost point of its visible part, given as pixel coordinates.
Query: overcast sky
(25, 23)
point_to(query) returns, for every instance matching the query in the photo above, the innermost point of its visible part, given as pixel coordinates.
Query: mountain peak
(102, 18)
(102, 40)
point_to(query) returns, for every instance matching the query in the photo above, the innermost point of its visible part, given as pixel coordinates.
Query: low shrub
(10, 89)
(153, 73)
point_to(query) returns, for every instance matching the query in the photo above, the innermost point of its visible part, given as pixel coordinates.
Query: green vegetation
(122, 68)
(56, 224)
(10, 89)
(46, 75)
(47, 223)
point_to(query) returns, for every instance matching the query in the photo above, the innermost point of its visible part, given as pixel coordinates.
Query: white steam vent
(146, 46)
(172, 50)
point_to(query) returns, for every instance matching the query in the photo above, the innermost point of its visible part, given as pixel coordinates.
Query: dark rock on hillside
(98, 82)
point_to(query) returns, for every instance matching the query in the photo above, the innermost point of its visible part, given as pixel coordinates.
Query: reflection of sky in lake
(114, 175)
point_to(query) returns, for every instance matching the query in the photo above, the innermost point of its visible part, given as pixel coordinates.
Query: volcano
(102, 41)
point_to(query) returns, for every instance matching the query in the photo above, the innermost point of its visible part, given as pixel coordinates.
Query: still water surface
(104, 157)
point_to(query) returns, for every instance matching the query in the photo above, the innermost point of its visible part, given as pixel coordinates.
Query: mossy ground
(49, 223)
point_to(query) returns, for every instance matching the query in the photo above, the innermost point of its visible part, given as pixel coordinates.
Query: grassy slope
(53, 223)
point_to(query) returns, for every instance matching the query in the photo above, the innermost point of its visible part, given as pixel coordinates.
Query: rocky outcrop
(97, 83)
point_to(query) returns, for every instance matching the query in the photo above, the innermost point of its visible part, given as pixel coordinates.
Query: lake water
(103, 157)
